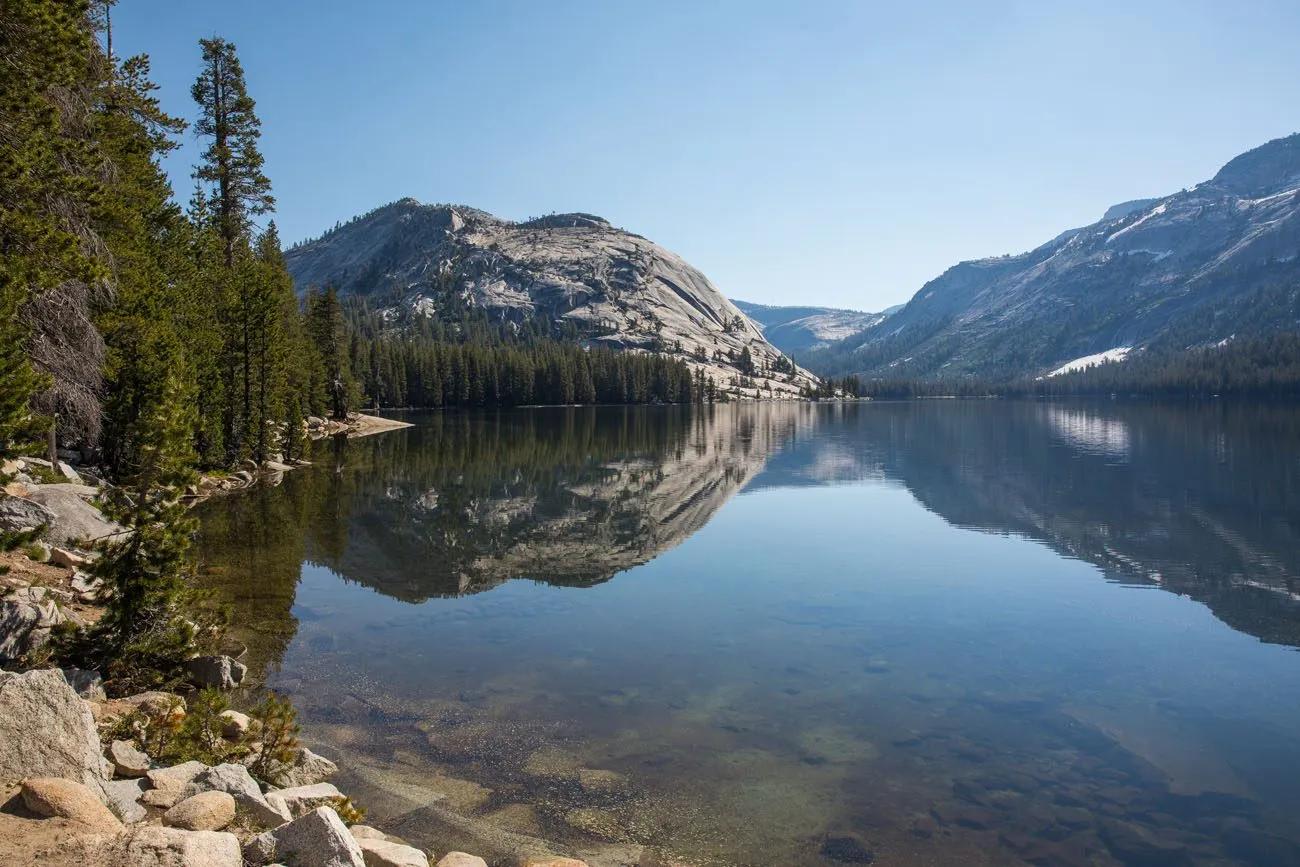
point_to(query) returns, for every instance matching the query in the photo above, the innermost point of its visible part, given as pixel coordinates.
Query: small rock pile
(130, 810)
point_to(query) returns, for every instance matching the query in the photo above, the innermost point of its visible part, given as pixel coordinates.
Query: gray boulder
(26, 617)
(75, 519)
(235, 780)
(221, 672)
(128, 760)
(318, 838)
(169, 783)
(46, 730)
(160, 846)
(307, 769)
(123, 798)
(304, 799)
(18, 515)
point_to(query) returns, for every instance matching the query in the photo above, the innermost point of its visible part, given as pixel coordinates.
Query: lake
(927, 633)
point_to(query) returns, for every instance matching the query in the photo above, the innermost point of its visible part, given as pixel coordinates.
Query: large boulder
(206, 811)
(304, 799)
(160, 846)
(235, 780)
(318, 838)
(27, 616)
(306, 769)
(221, 672)
(54, 796)
(382, 853)
(76, 520)
(21, 515)
(46, 730)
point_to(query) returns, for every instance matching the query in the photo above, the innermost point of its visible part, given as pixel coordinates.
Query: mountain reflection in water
(813, 669)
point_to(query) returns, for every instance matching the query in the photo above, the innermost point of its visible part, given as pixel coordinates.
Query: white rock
(307, 769)
(66, 559)
(381, 853)
(46, 730)
(318, 838)
(365, 832)
(304, 799)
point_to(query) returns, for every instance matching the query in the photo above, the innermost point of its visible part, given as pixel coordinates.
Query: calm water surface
(928, 633)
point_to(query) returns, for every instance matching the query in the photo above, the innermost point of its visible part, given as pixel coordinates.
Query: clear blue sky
(839, 153)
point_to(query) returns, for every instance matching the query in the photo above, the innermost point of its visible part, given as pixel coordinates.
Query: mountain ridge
(576, 271)
(1190, 269)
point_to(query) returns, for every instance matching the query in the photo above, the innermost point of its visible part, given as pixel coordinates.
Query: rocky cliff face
(611, 286)
(800, 329)
(1193, 268)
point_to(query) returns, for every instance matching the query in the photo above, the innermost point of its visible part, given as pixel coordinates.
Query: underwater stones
(599, 823)
(1139, 847)
(966, 815)
(847, 848)
(593, 780)
(551, 762)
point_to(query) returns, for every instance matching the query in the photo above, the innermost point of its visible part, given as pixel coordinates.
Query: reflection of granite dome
(474, 518)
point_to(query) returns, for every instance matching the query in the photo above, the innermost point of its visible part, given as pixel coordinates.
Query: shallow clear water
(925, 633)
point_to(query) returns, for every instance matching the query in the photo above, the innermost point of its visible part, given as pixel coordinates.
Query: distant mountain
(1192, 269)
(798, 329)
(582, 276)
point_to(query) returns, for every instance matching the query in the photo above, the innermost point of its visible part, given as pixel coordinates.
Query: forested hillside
(119, 307)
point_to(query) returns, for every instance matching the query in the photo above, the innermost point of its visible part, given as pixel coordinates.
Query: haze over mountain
(799, 329)
(1199, 267)
(576, 272)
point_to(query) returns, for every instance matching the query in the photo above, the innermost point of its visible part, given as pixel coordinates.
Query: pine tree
(232, 162)
(45, 187)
